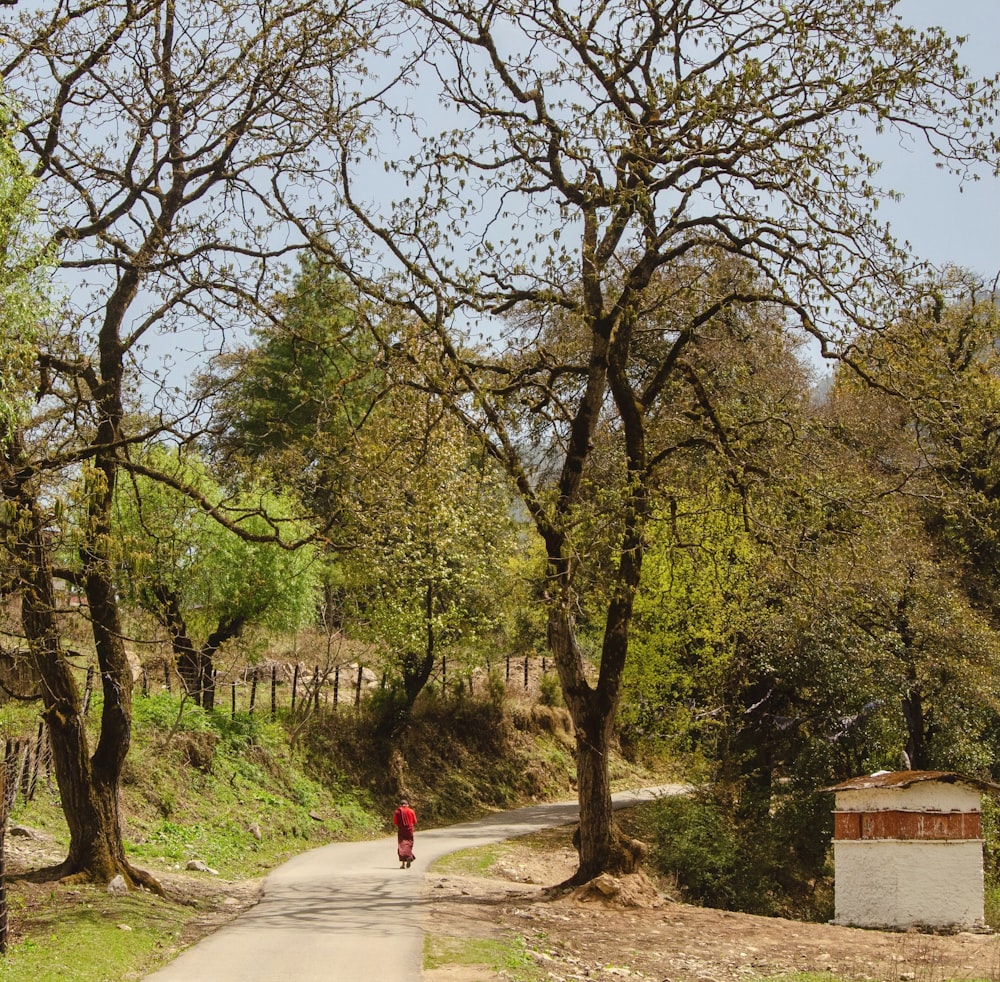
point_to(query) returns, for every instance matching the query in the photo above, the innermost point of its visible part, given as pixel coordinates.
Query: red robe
(405, 821)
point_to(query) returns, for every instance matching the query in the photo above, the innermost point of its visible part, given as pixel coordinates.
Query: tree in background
(436, 532)
(928, 430)
(698, 584)
(206, 581)
(588, 157)
(938, 366)
(288, 408)
(836, 639)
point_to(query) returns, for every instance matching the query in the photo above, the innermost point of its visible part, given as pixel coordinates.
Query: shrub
(725, 852)
(550, 691)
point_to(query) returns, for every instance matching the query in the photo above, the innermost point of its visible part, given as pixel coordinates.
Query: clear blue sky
(943, 225)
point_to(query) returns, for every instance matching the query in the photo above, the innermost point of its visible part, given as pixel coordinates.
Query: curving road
(346, 911)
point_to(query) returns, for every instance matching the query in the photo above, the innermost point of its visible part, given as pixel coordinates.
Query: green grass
(509, 956)
(469, 862)
(99, 938)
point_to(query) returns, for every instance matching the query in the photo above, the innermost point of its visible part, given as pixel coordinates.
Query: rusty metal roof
(906, 779)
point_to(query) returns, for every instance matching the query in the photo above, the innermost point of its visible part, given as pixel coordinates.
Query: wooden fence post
(37, 760)
(8, 789)
(526, 671)
(253, 691)
(274, 692)
(295, 685)
(4, 917)
(336, 686)
(357, 688)
(12, 749)
(25, 775)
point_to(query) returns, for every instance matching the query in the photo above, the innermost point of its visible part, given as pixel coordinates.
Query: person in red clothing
(404, 818)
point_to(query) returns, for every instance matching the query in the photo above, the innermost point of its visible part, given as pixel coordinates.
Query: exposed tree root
(61, 873)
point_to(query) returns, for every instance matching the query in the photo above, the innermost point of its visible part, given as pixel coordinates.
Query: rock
(23, 832)
(254, 829)
(118, 887)
(197, 866)
(134, 664)
(124, 927)
(607, 884)
(315, 817)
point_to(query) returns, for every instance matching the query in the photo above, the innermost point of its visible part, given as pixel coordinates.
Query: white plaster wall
(929, 796)
(901, 884)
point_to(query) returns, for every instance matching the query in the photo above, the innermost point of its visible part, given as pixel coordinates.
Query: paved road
(347, 912)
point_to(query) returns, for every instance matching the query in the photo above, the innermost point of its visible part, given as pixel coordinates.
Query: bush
(550, 691)
(692, 842)
(724, 853)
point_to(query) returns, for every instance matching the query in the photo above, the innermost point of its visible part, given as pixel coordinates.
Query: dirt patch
(638, 932)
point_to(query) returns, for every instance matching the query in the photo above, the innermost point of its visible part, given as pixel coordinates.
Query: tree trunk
(916, 728)
(416, 667)
(195, 666)
(601, 845)
(88, 786)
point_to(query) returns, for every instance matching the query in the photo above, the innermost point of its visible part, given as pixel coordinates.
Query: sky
(942, 223)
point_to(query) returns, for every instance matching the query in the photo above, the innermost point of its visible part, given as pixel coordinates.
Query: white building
(908, 850)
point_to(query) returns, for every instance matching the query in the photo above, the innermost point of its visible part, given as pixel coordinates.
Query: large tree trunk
(88, 785)
(602, 846)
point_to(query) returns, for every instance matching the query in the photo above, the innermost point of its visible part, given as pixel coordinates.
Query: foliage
(289, 406)
(177, 557)
(773, 863)
(23, 276)
(940, 365)
(428, 577)
(697, 581)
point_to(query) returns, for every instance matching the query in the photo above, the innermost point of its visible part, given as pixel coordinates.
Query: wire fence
(297, 687)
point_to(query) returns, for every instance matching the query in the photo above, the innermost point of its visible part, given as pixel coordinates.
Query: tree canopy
(592, 155)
